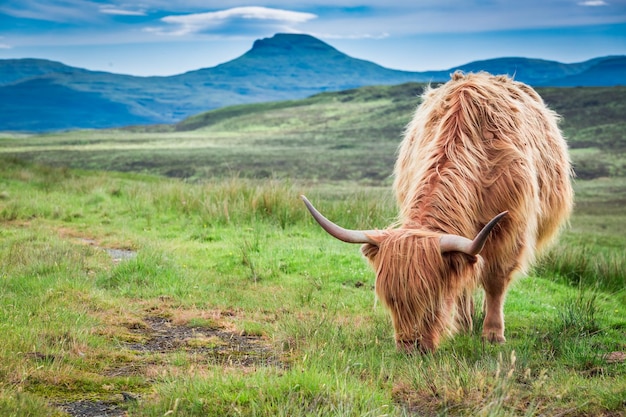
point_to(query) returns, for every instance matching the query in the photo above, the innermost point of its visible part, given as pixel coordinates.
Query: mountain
(12, 70)
(288, 63)
(603, 72)
(40, 95)
(59, 108)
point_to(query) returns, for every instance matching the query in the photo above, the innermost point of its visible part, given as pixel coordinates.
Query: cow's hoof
(494, 338)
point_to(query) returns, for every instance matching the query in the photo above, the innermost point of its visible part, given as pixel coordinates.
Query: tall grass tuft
(216, 202)
(245, 201)
(585, 267)
(572, 337)
(579, 316)
(221, 202)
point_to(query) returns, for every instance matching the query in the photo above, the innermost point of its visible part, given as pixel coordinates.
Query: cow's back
(479, 145)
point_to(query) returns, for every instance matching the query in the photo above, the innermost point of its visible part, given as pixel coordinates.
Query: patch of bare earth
(218, 346)
(93, 409)
(157, 335)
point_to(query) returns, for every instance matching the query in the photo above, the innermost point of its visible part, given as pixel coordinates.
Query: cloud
(60, 11)
(237, 16)
(593, 3)
(121, 12)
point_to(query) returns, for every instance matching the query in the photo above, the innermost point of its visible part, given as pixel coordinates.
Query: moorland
(172, 270)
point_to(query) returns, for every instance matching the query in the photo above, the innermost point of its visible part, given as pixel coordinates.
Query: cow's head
(419, 274)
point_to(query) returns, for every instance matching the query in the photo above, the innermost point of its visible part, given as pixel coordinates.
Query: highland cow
(484, 157)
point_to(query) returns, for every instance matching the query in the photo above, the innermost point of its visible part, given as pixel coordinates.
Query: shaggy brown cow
(477, 146)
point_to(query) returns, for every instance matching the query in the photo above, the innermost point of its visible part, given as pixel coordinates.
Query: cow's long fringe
(419, 285)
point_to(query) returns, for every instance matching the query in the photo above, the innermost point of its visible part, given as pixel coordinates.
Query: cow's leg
(495, 285)
(493, 325)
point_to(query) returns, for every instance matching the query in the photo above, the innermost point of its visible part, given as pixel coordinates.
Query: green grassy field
(217, 295)
(209, 264)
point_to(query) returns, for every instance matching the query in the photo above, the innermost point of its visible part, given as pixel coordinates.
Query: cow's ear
(472, 259)
(369, 251)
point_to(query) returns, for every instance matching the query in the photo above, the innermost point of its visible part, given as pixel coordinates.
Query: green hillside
(592, 121)
(350, 135)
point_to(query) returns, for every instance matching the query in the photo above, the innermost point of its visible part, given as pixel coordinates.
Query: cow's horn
(455, 243)
(345, 235)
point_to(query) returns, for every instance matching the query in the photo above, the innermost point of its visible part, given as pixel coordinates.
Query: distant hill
(609, 71)
(30, 110)
(12, 70)
(348, 135)
(40, 95)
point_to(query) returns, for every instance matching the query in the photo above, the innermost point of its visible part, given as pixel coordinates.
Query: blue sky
(164, 37)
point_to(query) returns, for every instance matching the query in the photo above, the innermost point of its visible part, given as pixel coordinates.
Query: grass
(581, 266)
(241, 257)
(229, 300)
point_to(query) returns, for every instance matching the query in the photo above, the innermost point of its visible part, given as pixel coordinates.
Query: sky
(166, 37)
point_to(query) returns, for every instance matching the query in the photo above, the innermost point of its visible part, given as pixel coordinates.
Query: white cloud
(199, 22)
(120, 12)
(61, 11)
(593, 3)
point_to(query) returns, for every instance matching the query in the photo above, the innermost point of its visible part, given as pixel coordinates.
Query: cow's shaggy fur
(418, 286)
(477, 145)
